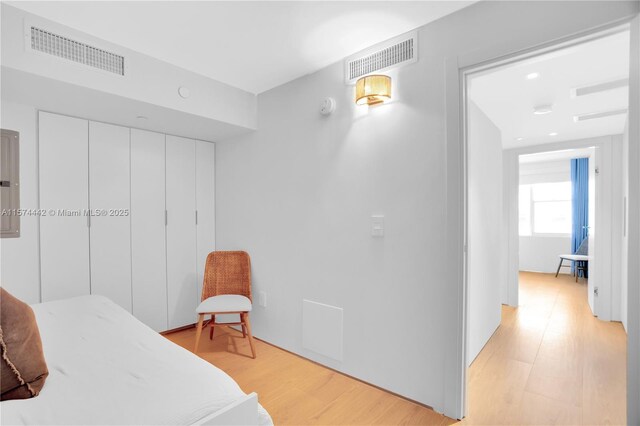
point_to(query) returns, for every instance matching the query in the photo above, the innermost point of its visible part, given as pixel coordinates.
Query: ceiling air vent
(399, 51)
(63, 47)
(598, 88)
(594, 115)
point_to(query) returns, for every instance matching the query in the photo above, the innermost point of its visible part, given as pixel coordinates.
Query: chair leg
(559, 266)
(245, 320)
(586, 270)
(198, 331)
(244, 329)
(213, 321)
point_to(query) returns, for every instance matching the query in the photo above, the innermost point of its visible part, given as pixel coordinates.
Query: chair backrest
(584, 247)
(227, 272)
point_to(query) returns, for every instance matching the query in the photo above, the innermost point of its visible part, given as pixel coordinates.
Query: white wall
(485, 229)
(510, 173)
(298, 195)
(19, 262)
(540, 253)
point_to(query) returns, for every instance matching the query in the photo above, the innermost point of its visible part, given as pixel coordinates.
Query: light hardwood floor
(296, 391)
(550, 362)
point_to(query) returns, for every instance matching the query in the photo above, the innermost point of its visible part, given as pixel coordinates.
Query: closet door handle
(196, 217)
(166, 218)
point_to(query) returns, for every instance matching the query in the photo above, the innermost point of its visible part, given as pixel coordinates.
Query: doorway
(534, 341)
(559, 209)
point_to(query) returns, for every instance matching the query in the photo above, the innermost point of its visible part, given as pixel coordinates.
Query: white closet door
(64, 186)
(181, 231)
(205, 205)
(109, 199)
(148, 245)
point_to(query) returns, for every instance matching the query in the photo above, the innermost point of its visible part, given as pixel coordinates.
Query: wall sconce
(373, 89)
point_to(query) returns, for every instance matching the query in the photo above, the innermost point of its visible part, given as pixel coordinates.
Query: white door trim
(456, 70)
(633, 270)
(605, 238)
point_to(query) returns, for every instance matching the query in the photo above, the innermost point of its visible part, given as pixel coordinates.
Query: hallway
(550, 361)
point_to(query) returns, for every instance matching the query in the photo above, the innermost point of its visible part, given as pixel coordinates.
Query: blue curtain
(579, 202)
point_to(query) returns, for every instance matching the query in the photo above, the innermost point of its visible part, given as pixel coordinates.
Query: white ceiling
(252, 45)
(507, 97)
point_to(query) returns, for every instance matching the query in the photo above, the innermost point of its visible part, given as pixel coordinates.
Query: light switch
(377, 226)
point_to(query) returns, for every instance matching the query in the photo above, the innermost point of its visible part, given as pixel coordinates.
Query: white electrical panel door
(205, 205)
(110, 223)
(64, 199)
(148, 245)
(10, 183)
(181, 231)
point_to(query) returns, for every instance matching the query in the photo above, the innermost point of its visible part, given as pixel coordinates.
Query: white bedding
(106, 367)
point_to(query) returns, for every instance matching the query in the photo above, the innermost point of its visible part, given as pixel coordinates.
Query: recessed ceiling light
(542, 109)
(141, 117)
(533, 75)
(520, 138)
(553, 134)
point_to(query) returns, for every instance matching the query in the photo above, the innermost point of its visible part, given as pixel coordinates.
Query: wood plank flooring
(296, 391)
(550, 362)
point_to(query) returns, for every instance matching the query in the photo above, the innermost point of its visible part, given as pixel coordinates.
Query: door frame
(456, 70)
(606, 219)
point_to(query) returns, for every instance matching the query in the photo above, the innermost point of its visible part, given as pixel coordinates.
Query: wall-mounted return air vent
(398, 51)
(63, 47)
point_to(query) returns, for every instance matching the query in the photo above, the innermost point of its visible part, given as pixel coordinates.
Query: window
(545, 208)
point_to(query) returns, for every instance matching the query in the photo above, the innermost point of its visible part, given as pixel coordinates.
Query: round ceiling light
(542, 109)
(533, 75)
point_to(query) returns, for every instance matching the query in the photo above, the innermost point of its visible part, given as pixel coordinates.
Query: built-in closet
(151, 199)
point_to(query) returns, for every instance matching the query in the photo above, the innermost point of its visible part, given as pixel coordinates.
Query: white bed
(106, 367)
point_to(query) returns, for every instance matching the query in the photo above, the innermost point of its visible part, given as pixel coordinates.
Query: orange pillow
(23, 369)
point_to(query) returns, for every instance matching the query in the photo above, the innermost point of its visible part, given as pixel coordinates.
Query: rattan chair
(226, 290)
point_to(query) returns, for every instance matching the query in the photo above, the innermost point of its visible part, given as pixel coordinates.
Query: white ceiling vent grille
(593, 115)
(396, 52)
(598, 88)
(63, 47)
